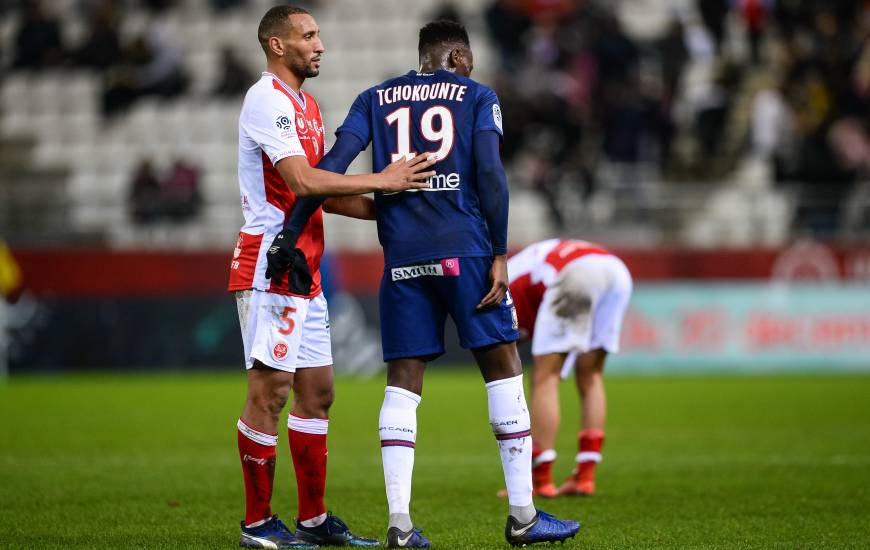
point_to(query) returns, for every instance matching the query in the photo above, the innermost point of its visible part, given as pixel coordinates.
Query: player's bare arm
(306, 181)
(355, 206)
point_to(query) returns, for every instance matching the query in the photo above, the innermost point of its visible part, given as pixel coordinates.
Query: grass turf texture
(150, 462)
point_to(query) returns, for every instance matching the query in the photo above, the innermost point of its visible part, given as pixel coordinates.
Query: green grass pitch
(149, 461)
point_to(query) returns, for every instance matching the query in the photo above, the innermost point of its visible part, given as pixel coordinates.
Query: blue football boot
(332, 532)
(397, 538)
(272, 534)
(542, 528)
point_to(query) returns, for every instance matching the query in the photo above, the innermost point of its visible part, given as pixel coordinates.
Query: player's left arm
(493, 194)
(347, 146)
(360, 207)
(283, 252)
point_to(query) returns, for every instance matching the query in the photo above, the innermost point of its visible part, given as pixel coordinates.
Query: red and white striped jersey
(533, 269)
(275, 123)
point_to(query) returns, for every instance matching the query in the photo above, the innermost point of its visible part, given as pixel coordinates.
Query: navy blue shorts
(415, 301)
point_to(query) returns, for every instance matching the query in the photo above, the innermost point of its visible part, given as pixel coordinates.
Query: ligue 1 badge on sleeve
(496, 115)
(283, 122)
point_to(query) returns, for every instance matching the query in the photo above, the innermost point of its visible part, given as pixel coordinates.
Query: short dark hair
(441, 32)
(276, 23)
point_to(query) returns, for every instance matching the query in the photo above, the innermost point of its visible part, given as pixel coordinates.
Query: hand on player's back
(408, 173)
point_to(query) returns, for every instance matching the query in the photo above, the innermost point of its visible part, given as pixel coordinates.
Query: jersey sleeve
(272, 126)
(487, 111)
(358, 119)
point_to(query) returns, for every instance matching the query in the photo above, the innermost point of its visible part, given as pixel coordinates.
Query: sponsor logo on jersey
(445, 268)
(280, 351)
(237, 251)
(438, 182)
(414, 271)
(444, 182)
(450, 267)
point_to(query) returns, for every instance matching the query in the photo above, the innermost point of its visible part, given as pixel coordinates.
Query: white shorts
(608, 285)
(284, 332)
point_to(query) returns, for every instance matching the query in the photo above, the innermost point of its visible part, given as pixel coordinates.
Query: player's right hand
(408, 173)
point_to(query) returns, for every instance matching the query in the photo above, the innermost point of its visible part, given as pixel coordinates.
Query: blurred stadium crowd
(777, 91)
(689, 122)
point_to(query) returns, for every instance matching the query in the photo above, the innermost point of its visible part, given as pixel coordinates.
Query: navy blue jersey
(437, 113)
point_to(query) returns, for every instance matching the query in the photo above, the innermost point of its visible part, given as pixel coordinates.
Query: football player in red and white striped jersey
(283, 314)
(570, 298)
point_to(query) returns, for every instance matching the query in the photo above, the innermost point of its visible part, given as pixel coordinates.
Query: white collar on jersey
(300, 97)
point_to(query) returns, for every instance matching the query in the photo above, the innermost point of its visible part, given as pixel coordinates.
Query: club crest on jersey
(279, 351)
(300, 124)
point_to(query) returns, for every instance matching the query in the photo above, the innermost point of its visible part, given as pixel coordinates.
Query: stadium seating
(94, 157)
(98, 155)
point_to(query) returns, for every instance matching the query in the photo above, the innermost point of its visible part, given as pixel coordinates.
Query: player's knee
(314, 404)
(272, 400)
(587, 378)
(406, 381)
(406, 375)
(323, 399)
(541, 375)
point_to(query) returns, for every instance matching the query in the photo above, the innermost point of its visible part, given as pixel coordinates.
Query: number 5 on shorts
(285, 316)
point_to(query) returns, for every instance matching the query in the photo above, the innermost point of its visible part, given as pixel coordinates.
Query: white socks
(397, 426)
(509, 418)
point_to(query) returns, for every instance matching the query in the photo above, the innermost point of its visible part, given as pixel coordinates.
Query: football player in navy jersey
(445, 251)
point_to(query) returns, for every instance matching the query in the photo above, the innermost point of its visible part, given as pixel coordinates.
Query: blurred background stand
(701, 140)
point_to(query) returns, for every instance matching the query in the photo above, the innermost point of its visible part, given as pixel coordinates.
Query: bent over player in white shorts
(570, 298)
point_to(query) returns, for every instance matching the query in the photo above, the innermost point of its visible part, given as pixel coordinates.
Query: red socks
(257, 453)
(590, 443)
(308, 448)
(542, 466)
